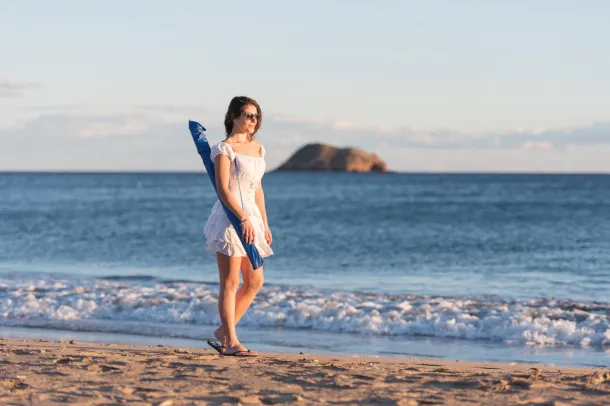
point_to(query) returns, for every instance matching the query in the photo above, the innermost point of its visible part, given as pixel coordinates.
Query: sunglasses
(252, 116)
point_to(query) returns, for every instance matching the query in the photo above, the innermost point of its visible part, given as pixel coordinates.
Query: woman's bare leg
(228, 270)
(253, 281)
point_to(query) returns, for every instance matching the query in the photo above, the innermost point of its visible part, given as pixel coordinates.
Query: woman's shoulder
(223, 148)
(222, 143)
(259, 147)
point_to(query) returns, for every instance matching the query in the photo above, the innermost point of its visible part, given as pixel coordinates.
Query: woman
(239, 164)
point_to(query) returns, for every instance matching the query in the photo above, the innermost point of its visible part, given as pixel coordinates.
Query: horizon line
(195, 171)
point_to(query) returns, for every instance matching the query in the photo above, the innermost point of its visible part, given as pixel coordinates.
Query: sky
(434, 86)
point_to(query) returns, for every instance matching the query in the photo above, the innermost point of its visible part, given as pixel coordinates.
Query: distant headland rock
(323, 157)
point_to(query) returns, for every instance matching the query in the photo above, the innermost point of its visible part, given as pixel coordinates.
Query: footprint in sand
(26, 352)
(598, 378)
(452, 384)
(364, 377)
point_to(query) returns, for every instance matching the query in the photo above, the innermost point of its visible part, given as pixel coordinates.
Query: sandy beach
(39, 372)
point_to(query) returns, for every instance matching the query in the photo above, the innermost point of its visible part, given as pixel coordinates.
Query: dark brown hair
(236, 107)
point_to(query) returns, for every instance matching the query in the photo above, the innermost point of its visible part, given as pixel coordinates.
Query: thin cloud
(169, 108)
(56, 108)
(537, 145)
(104, 128)
(12, 88)
(159, 138)
(349, 134)
(144, 120)
(81, 124)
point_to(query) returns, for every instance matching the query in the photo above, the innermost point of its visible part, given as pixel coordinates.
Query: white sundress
(219, 232)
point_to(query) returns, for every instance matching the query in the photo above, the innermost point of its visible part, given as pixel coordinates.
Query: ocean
(479, 267)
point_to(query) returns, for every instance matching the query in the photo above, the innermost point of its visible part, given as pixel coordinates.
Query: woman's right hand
(247, 231)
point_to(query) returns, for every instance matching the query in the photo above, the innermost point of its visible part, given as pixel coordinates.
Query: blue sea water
(485, 267)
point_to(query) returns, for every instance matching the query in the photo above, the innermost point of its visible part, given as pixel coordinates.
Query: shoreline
(54, 372)
(339, 344)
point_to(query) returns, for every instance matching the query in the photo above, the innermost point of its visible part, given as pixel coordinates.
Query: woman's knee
(255, 282)
(228, 268)
(232, 284)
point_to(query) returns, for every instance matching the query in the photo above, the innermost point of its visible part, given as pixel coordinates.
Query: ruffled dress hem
(234, 250)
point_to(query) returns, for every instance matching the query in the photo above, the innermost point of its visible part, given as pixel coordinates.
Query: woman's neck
(239, 138)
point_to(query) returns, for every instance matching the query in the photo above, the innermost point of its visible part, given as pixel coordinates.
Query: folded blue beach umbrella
(204, 150)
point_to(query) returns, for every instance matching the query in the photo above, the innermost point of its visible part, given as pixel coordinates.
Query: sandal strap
(240, 352)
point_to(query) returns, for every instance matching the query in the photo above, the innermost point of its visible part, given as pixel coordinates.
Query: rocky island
(324, 157)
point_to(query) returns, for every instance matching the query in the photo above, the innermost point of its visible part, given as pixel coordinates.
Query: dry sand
(43, 372)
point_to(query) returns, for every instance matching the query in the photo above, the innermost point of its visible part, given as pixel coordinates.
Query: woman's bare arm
(259, 197)
(222, 166)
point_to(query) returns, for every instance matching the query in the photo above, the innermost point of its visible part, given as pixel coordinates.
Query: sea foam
(96, 303)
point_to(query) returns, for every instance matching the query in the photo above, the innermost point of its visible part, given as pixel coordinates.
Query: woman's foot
(220, 336)
(238, 350)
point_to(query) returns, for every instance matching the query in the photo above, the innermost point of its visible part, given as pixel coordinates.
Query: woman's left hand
(268, 236)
